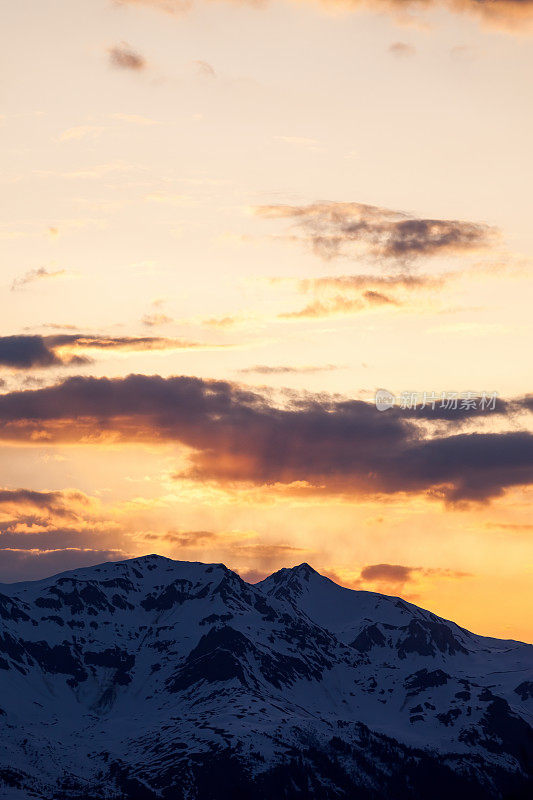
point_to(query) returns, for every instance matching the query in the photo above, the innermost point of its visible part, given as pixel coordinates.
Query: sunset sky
(225, 226)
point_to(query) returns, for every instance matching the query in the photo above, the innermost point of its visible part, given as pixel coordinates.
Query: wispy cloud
(339, 295)
(265, 369)
(402, 50)
(339, 305)
(134, 119)
(64, 503)
(396, 573)
(81, 132)
(205, 69)
(125, 57)
(514, 527)
(36, 351)
(251, 558)
(508, 14)
(222, 322)
(299, 141)
(34, 275)
(335, 229)
(404, 281)
(168, 6)
(156, 319)
(397, 578)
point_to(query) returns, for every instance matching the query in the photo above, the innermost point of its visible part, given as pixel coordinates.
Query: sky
(225, 226)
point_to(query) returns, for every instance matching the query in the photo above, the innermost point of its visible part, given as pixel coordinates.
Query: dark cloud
(24, 352)
(414, 237)
(237, 435)
(31, 382)
(42, 532)
(23, 565)
(340, 229)
(58, 503)
(527, 402)
(33, 533)
(449, 412)
(119, 342)
(35, 351)
(399, 574)
(124, 57)
(470, 466)
(388, 572)
(36, 275)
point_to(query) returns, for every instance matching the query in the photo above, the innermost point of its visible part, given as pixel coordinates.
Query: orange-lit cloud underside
(502, 12)
(235, 434)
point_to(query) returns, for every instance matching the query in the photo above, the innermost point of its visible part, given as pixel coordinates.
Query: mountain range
(153, 679)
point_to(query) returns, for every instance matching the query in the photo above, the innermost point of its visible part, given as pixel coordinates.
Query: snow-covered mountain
(156, 679)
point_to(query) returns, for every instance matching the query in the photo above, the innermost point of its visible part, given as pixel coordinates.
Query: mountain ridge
(282, 570)
(142, 677)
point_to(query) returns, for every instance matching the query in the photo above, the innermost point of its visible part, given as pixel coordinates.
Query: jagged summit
(172, 680)
(304, 569)
(152, 561)
(301, 572)
(141, 565)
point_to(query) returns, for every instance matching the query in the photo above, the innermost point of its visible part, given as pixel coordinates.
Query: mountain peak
(304, 567)
(304, 570)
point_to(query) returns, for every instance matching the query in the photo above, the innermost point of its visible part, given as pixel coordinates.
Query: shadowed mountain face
(154, 678)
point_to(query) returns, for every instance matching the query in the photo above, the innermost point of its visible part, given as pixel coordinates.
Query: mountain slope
(153, 678)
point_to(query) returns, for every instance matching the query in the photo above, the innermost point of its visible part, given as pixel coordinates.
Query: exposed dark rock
(423, 679)
(426, 638)
(525, 690)
(369, 637)
(449, 717)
